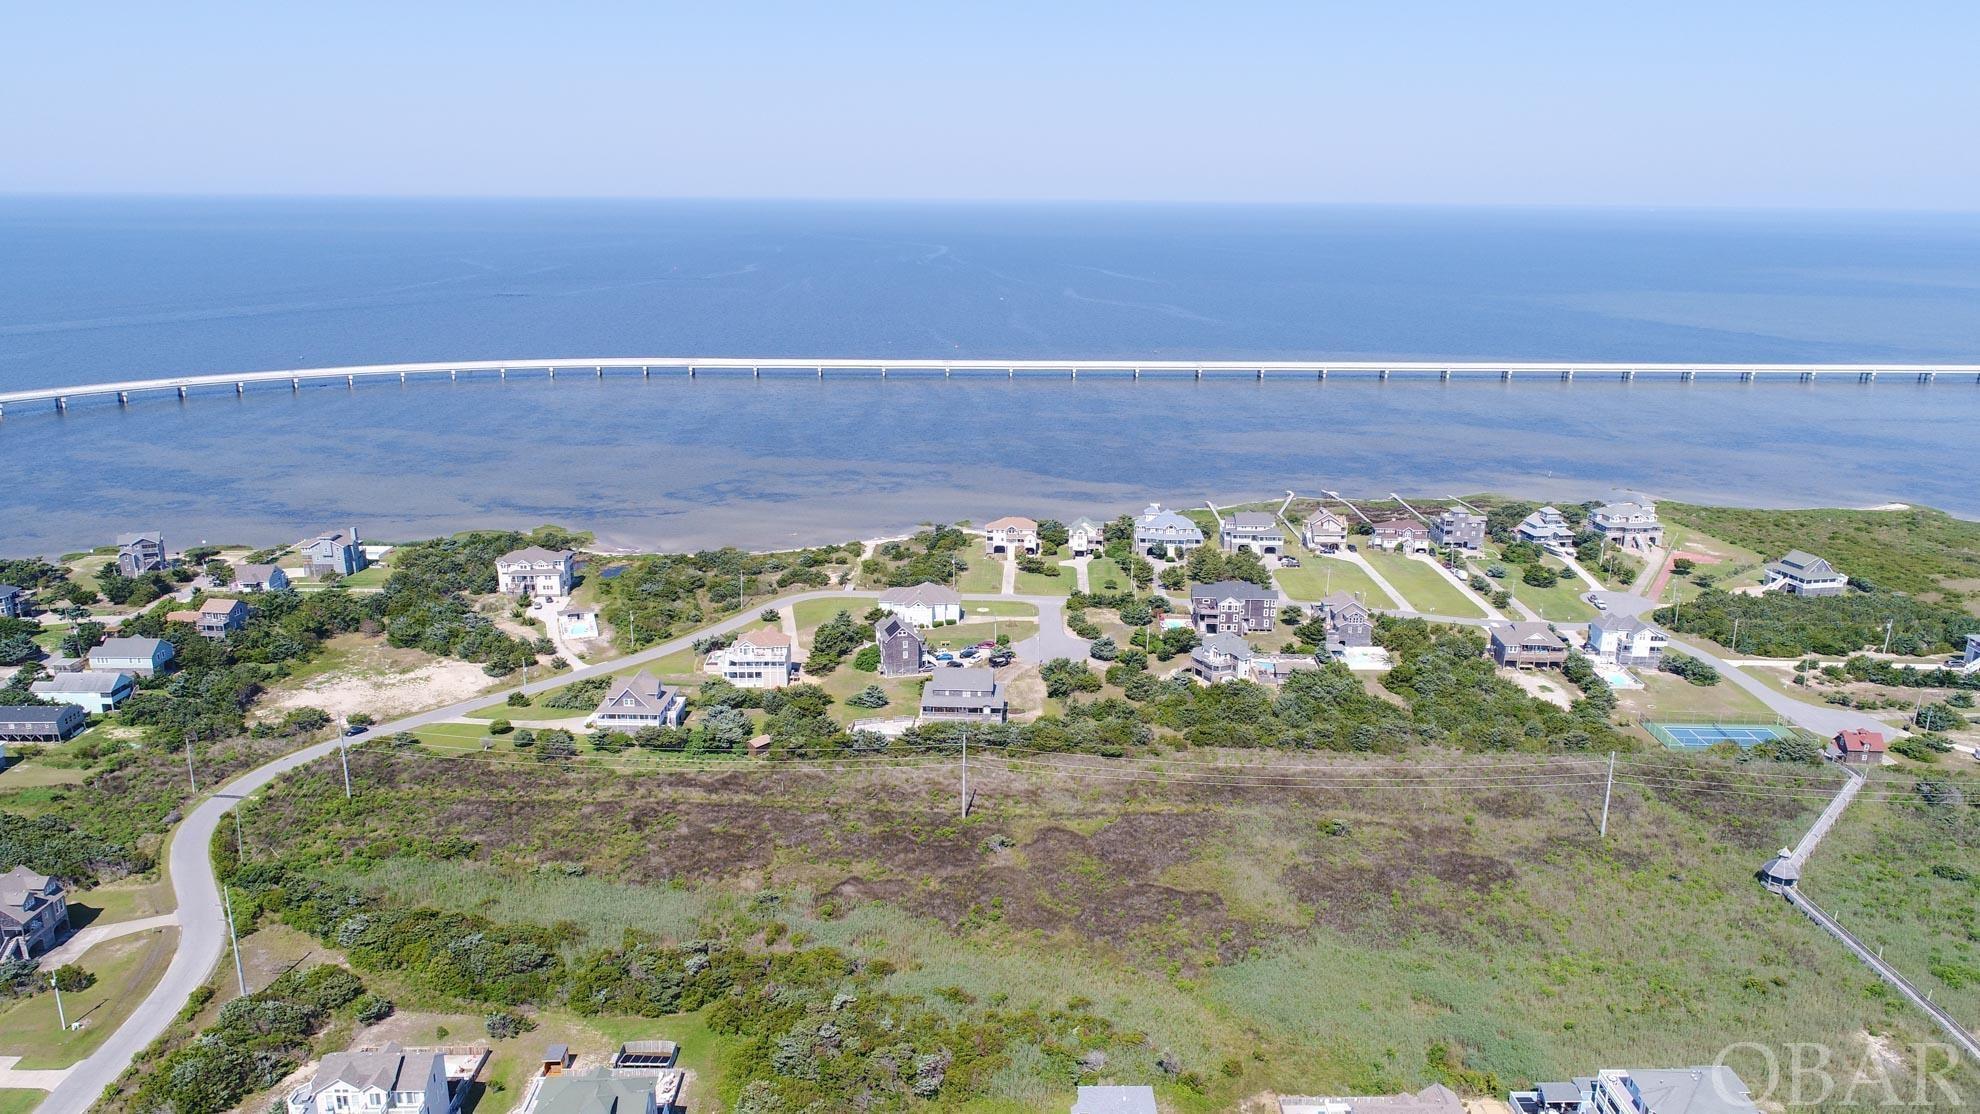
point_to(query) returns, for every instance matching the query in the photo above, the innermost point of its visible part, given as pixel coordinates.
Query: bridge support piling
(600, 371)
(402, 379)
(756, 373)
(240, 389)
(61, 404)
(1567, 375)
(182, 394)
(1628, 374)
(1199, 375)
(1688, 374)
(1445, 375)
(1505, 374)
(690, 371)
(454, 375)
(1746, 377)
(947, 372)
(295, 383)
(505, 374)
(645, 372)
(350, 380)
(1323, 375)
(1383, 375)
(552, 371)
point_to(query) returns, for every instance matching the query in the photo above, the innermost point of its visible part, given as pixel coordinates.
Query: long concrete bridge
(692, 366)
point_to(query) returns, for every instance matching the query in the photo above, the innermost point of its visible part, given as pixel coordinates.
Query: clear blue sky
(1766, 104)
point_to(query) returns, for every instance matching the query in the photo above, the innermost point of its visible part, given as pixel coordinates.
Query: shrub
(1689, 668)
(867, 660)
(69, 978)
(518, 700)
(872, 696)
(373, 1008)
(1539, 576)
(501, 727)
(503, 1025)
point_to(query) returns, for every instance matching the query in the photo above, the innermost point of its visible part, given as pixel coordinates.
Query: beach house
(1627, 525)
(640, 702)
(39, 723)
(1349, 623)
(260, 578)
(142, 656)
(13, 602)
(1011, 535)
(138, 554)
(1257, 531)
(902, 650)
(93, 691)
(761, 659)
(334, 552)
(1529, 645)
(34, 913)
(1085, 537)
(1804, 574)
(1403, 535)
(1165, 534)
(1323, 531)
(925, 604)
(1622, 640)
(534, 572)
(1547, 528)
(1458, 529)
(971, 693)
(1233, 606)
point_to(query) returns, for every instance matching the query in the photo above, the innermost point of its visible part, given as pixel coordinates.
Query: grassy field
(1918, 550)
(979, 630)
(1901, 875)
(984, 575)
(1561, 603)
(1008, 609)
(1317, 576)
(1670, 699)
(1038, 584)
(1102, 571)
(1427, 591)
(14, 1101)
(1737, 566)
(125, 970)
(1312, 940)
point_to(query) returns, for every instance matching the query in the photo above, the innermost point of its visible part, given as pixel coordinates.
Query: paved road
(202, 921)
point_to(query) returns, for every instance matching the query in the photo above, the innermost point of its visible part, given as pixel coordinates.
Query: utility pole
(61, 1015)
(1735, 641)
(965, 773)
(240, 841)
(1607, 791)
(240, 975)
(191, 781)
(1888, 624)
(344, 756)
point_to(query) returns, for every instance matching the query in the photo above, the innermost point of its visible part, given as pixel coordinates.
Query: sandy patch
(1543, 686)
(382, 681)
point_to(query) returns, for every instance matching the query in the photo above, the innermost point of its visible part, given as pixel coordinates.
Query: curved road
(203, 923)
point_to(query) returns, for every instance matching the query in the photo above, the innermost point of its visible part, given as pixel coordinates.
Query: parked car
(1288, 562)
(986, 644)
(1002, 657)
(945, 656)
(954, 664)
(971, 652)
(1597, 602)
(354, 729)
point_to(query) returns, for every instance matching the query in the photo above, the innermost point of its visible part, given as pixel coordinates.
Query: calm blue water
(116, 289)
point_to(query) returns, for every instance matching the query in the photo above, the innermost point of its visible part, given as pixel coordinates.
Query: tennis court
(1698, 736)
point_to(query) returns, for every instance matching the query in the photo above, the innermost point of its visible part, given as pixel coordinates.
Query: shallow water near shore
(110, 290)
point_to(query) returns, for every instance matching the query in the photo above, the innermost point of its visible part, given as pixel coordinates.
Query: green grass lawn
(810, 613)
(1427, 591)
(1666, 698)
(977, 608)
(1561, 603)
(1317, 576)
(1101, 570)
(903, 693)
(985, 574)
(1039, 584)
(1739, 567)
(374, 576)
(978, 630)
(125, 971)
(14, 1101)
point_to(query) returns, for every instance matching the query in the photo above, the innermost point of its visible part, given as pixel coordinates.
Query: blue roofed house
(13, 602)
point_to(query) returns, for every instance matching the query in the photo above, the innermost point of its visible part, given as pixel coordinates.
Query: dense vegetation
(52, 846)
(1780, 625)
(650, 598)
(256, 1041)
(933, 556)
(1915, 550)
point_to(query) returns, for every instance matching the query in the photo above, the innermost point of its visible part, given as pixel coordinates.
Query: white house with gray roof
(1163, 533)
(1323, 531)
(1257, 531)
(1547, 528)
(1624, 640)
(387, 1080)
(13, 601)
(760, 659)
(924, 604)
(1629, 525)
(142, 656)
(1085, 537)
(640, 702)
(94, 691)
(534, 572)
(1804, 574)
